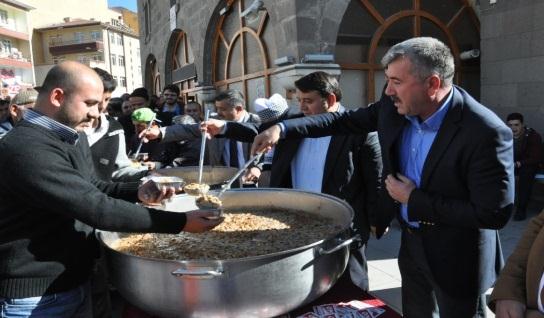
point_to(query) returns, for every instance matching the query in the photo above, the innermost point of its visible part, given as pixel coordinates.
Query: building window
(147, 23)
(3, 17)
(242, 52)
(369, 28)
(55, 39)
(79, 37)
(112, 38)
(58, 59)
(120, 39)
(113, 59)
(96, 35)
(121, 61)
(123, 81)
(5, 46)
(98, 58)
(83, 59)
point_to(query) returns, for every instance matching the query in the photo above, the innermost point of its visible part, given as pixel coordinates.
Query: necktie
(233, 147)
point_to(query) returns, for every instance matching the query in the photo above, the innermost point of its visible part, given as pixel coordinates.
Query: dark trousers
(421, 295)
(100, 294)
(524, 187)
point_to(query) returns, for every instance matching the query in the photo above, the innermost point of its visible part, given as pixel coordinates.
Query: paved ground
(382, 254)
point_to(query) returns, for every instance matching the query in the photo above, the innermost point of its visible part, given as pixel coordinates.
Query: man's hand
(251, 175)
(212, 126)
(399, 188)
(264, 141)
(153, 133)
(374, 233)
(507, 308)
(152, 194)
(201, 221)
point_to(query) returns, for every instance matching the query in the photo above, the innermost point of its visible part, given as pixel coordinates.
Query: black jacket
(466, 190)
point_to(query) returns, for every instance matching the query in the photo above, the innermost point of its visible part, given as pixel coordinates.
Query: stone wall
(512, 60)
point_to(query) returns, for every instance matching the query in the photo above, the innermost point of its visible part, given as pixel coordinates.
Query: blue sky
(129, 4)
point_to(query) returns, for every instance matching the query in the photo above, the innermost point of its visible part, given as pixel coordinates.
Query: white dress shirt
(226, 150)
(308, 165)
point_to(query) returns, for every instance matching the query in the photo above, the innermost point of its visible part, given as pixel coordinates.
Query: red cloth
(342, 292)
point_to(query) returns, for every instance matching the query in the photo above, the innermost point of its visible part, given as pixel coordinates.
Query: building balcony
(13, 34)
(15, 60)
(71, 47)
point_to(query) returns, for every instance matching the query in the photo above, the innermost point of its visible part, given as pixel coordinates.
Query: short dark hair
(140, 92)
(173, 88)
(115, 104)
(515, 116)
(232, 96)
(107, 80)
(60, 77)
(321, 82)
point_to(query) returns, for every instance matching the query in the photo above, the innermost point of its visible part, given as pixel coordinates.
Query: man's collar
(66, 133)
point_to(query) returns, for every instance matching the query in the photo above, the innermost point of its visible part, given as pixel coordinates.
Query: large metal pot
(262, 286)
(215, 176)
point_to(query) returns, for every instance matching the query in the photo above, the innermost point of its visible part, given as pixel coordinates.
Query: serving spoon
(202, 149)
(227, 186)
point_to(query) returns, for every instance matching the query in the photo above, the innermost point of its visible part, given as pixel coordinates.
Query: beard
(65, 117)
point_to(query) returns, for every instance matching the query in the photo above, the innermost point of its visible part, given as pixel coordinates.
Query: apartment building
(16, 69)
(130, 18)
(114, 48)
(88, 32)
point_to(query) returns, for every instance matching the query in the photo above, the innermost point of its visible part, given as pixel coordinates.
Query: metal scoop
(202, 149)
(227, 186)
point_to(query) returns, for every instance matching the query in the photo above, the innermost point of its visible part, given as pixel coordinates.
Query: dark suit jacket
(352, 172)
(467, 185)
(215, 146)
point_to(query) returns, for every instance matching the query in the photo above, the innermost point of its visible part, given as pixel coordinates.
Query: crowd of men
(426, 154)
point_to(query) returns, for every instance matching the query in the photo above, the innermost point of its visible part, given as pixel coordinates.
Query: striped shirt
(66, 133)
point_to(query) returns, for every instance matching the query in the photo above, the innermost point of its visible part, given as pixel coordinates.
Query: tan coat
(520, 278)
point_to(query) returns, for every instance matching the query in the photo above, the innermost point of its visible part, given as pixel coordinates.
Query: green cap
(143, 115)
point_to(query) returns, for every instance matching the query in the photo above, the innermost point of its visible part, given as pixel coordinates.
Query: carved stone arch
(179, 65)
(152, 75)
(170, 49)
(209, 43)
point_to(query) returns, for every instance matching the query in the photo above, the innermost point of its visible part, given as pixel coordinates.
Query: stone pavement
(382, 255)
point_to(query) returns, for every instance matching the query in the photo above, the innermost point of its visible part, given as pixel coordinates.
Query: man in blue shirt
(448, 163)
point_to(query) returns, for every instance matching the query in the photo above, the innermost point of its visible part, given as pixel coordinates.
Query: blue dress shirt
(417, 139)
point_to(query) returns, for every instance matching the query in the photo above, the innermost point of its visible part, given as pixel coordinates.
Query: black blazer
(352, 172)
(467, 186)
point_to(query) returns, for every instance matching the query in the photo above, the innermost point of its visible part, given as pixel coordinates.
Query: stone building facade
(512, 62)
(205, 45)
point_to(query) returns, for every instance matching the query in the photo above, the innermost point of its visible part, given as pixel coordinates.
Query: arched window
(180, 65)
(240, 55)
(370, 27)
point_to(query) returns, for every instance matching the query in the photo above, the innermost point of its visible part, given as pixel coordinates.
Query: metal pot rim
(343, 233)
(340, 234)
